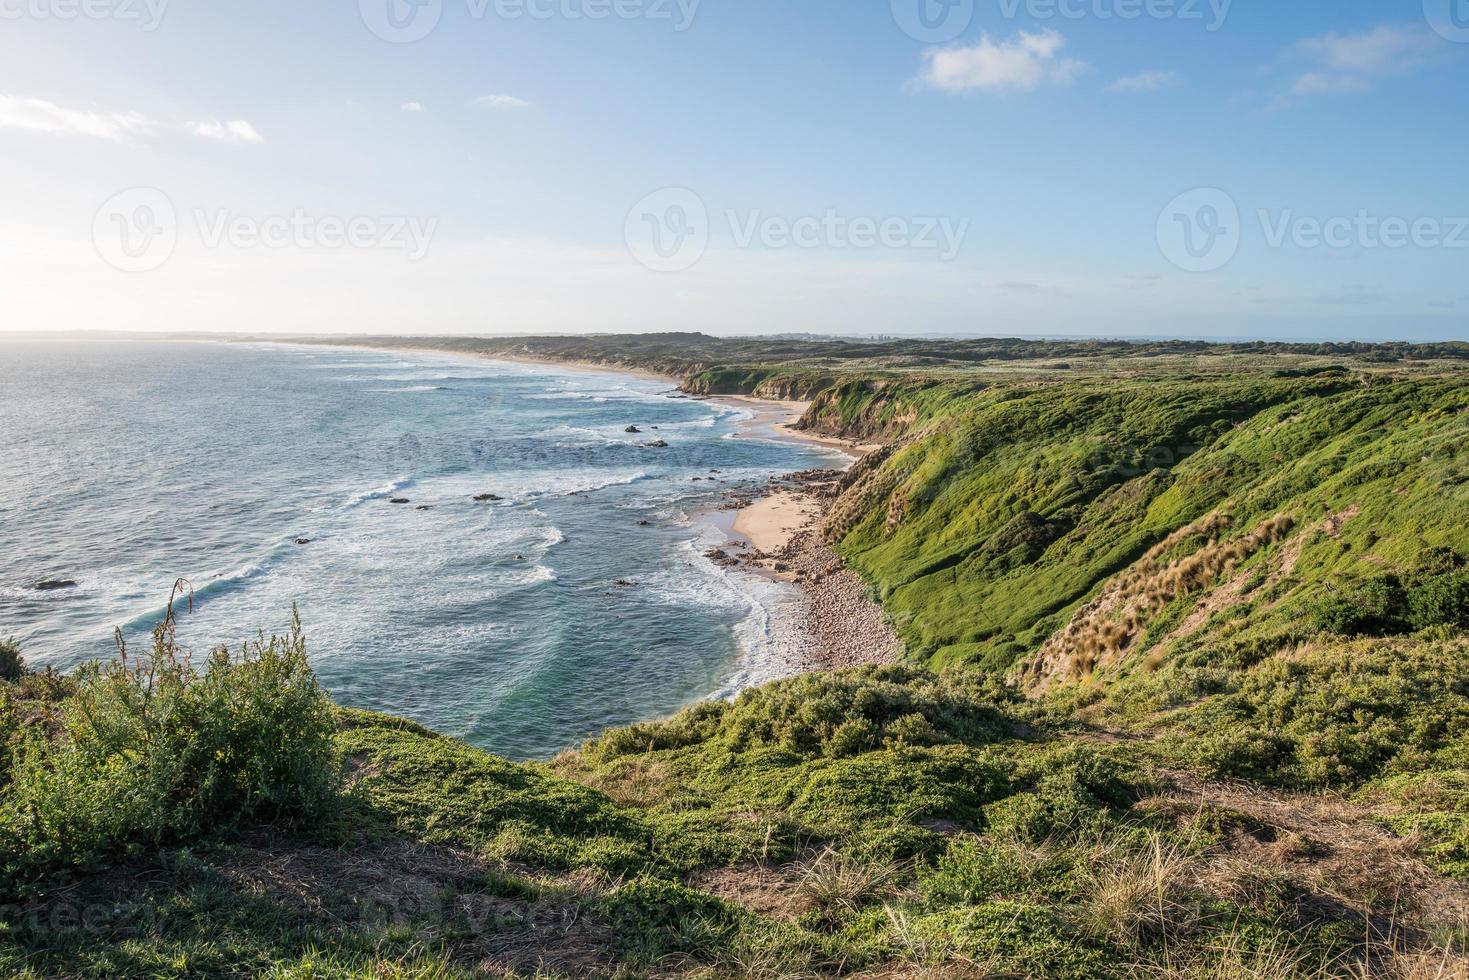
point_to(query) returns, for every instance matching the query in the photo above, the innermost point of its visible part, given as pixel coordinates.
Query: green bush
(836, 715)
(1374, 608)
(1436, 594)
(654, 919)
(12, 667)
(1442, 600)
(156, 751)
(1339, 717)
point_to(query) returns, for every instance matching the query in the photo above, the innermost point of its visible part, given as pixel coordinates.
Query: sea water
(264, 475)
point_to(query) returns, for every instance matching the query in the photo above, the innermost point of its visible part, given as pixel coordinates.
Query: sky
(1184, 168)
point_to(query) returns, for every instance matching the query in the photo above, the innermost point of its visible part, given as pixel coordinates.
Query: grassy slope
(905, 820)
(987, 530)
(893, 821)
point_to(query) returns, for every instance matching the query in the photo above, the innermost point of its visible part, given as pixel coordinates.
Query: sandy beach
(771, 522)
(778, 533)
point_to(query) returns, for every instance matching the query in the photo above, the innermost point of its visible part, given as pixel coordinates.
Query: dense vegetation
(1183, 695)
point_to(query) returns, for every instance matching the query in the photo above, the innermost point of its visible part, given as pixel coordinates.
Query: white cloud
(501, 102)
(1022, 64)
(234, 131)
(1385, 50)
(1350, 63)
(1325, 83)
(40, 116)
(412, 107)
(1147, 81)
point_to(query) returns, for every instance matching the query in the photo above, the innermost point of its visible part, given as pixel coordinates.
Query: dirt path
(1338, 846)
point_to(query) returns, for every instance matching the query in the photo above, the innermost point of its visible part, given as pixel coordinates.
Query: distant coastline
(777, 533)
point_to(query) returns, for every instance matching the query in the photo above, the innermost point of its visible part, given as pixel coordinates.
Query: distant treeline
(680, 353)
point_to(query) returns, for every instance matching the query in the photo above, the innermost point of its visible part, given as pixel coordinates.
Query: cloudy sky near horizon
(1109, 167)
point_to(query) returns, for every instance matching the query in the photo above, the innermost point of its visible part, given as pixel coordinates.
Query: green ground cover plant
(1183, 695)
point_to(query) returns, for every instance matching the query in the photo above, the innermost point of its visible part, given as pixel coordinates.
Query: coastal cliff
(1181, 694)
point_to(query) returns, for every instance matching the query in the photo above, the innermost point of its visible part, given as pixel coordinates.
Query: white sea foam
(774, 642)
(397, 486)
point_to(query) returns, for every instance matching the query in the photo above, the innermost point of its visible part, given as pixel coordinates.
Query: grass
(1182, 696)
(1040, 855)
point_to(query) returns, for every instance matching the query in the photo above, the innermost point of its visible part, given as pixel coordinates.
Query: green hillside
(1185, 695)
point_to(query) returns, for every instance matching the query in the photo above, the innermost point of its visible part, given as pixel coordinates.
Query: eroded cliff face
(868, 411)
(754, 382)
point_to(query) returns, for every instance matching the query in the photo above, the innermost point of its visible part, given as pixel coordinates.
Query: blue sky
(504, 169)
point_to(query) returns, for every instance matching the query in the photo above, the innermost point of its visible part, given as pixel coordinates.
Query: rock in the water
(303, 541)
(656, 444)
(55, 585)
(486, 498)
(425, 507)
(632, 430)
(400, 500)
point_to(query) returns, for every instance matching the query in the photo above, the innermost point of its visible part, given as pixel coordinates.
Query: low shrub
(1436, 594)
(654, 919)
(12, 666)
(156, 751)
(836, 715)
(1336, 718)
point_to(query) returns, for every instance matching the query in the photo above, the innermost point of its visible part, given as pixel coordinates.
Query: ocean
(264, 475)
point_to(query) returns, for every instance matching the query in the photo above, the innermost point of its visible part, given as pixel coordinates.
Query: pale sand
(777, 419)
(771, 522)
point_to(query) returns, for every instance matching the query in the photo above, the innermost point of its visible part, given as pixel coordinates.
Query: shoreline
(776, 533)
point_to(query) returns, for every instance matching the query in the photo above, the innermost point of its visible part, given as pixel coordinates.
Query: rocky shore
(843, 626)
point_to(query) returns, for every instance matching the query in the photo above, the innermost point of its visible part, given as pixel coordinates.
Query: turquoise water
(520, 625)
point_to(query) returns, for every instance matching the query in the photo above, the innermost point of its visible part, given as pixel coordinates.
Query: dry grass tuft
(1099, 633)
(834, 881)
(1140, 896)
